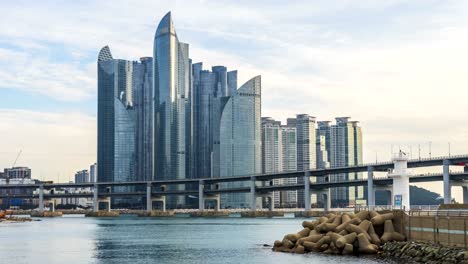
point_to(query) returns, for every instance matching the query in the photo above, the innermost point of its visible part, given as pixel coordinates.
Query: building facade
(306, 148)
(116, 119)
(93, 173)
(346, 150)
(171, 88)
(82, 176)
(240, 140)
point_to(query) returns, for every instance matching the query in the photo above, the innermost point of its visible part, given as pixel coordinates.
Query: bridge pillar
(326, 195)
(95, 198)
(253, 199)
(149, 201)
(201, 198)
(370, 187)
(465, 194)
(307, 190)
(161, 199)
(271, 200)
(41, 198)
(447, 186)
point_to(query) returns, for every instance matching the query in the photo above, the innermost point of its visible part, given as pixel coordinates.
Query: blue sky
(399, 67)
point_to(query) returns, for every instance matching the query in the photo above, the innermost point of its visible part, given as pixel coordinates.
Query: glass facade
(240, 139)
(171, 75)
(143, 104)
(116, 121)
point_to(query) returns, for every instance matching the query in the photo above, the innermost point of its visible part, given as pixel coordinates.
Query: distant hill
(418, 196)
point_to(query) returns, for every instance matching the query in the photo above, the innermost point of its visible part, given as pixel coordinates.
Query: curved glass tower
(171, 79)
(116, 120)
(240, 139)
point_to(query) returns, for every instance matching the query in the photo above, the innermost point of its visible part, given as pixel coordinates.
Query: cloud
(396, 66)
(52, 144)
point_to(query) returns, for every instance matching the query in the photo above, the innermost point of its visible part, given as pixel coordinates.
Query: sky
(398, 67)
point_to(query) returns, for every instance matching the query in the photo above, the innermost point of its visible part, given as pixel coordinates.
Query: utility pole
(449, 149)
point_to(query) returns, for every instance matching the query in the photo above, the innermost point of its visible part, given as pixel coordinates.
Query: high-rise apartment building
(288, 163)
(346, 150)
(116, 119)
(93, 173)
(171, 88)
(240, 139)
(82, 176)
(211, 91)
(143, 105)
(306, 147)
(271, 152)
(279, 154)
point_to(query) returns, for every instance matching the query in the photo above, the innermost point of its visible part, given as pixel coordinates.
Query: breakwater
(424, 253)
(347, 234)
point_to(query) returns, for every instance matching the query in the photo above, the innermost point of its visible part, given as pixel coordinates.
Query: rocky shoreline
(423, 253)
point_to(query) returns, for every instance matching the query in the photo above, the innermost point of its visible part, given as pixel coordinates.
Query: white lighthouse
(400, 176)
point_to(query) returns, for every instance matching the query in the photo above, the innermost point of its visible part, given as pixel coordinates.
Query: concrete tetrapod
(341, 234)
(390, 234)
(379, 219)
(346, 220)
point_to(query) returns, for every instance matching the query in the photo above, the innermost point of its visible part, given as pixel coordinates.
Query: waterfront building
(93, 173)
(116, 119)
(279, 154)
(143, 105)
(240, 140)
(272, 152)
(306, 148)
(16, 173)
(288, 163)
(171, 88)
(82, 176)
(346, 150)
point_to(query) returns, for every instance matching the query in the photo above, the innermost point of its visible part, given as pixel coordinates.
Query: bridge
(258, 185)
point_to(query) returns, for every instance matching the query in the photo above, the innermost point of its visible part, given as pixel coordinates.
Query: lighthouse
(400, 176)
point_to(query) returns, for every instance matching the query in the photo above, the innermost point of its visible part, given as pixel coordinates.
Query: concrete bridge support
(270, 199)
(253, 198)
(105, 200)
(50, 202)
(202, 198)
(95, 198)
(370, 186)
(447, 185)
(41, 198)
(307, 191)
(325, 194)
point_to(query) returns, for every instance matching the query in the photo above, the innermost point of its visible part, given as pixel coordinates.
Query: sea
(132, 239)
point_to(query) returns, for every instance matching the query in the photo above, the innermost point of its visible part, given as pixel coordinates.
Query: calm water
(129, 239)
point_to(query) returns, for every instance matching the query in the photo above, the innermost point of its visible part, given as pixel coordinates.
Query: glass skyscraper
(240, 139)
(171, 75)
(125, 142)
(116, 119)
(143, 104)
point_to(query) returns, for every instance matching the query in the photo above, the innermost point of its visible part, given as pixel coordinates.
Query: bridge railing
(457, 212)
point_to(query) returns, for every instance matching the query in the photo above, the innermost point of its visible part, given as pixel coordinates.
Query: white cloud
(397, 66)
